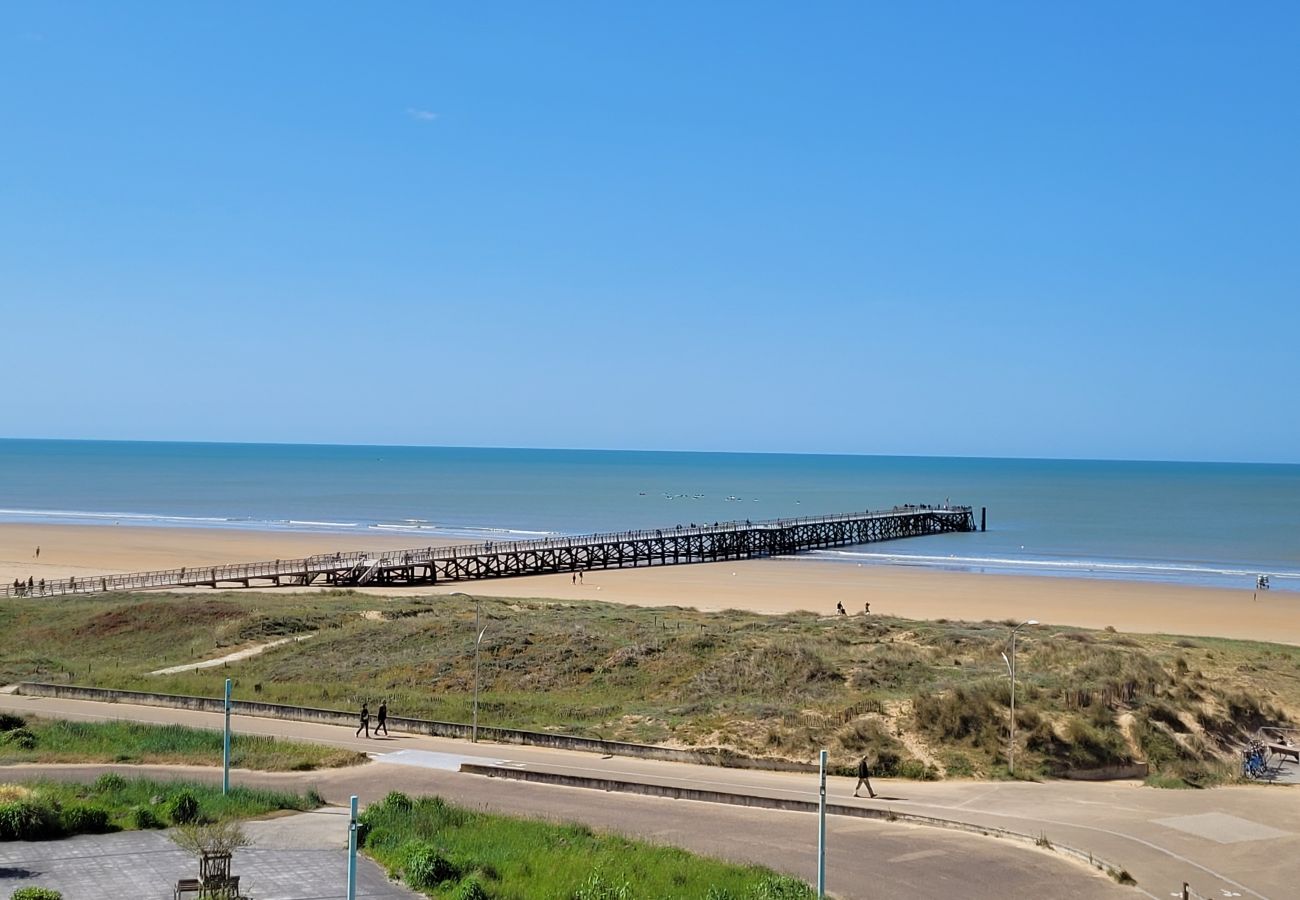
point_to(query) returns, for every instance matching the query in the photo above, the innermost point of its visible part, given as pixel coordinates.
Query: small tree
(211, 838)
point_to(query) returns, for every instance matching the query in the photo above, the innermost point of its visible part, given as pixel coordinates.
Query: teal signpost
(225, 749)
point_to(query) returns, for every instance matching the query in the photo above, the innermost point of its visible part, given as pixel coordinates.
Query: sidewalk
(292, 857)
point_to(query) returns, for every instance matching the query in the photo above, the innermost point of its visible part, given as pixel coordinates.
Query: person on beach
(864, 777)
(38, 551)
(866, 607)
(382, 720)
(365, 720)
(839, 608)
(579, 578)
(575, 577)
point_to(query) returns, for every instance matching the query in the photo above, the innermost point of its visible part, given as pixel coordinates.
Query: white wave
(1173, 570)
(312, 524)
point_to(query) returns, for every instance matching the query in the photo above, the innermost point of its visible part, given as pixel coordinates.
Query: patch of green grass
(442, 849)
(41, 810)
(61, 741)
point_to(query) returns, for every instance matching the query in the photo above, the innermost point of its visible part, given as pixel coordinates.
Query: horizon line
(828, 453)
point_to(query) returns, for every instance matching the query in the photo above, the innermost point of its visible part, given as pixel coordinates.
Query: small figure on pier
(839, 608)
(365, 720)
(382, 720)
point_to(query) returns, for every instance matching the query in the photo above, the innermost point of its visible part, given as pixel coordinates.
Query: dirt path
(231, 657)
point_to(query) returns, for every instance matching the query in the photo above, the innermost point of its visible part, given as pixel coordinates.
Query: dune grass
(926, 699)
(59, 741)
(449, 851)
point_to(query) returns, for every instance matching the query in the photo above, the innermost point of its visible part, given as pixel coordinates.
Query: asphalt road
(1239, 841)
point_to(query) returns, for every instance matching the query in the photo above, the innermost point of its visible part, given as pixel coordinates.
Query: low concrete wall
(705, 756)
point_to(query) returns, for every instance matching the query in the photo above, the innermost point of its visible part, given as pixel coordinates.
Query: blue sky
(957, 229)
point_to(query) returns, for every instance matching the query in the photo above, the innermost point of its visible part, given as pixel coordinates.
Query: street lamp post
(1011, 673)
(473, 734)
(477, 641)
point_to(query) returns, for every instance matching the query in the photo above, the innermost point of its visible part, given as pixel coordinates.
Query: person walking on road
(365, 720)
(864, 777)
(382, 720)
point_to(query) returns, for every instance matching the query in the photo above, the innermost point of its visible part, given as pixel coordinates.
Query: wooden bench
(188, 886)
(1284, 750)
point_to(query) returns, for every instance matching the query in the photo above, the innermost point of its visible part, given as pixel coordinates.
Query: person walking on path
(365, 720)
(864, 777)
(382, 720)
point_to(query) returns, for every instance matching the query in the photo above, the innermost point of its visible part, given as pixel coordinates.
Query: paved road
(1238, 840)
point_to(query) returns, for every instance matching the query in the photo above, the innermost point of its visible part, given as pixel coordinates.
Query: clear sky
(1039, 229)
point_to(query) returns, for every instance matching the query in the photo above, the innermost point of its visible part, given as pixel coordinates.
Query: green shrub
(109, 782)
(597, 888)
(427, 866)
(35, 893)
(780, 887)
(397, 800)
(84, 820)
(470, 889)
(144, 819)
(917, 770)
(27, 820)
(21, 738)
(183, 808)
(10, 722)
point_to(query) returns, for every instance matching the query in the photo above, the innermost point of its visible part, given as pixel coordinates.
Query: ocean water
(1197, 523)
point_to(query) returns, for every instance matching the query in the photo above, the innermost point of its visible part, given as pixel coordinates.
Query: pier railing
(489, 558)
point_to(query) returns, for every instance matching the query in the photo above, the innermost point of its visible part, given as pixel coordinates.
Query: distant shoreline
(766, 585)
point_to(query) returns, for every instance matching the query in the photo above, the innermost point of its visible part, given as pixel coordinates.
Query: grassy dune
(928, 699)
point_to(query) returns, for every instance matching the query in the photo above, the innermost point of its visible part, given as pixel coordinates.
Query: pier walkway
(505, 559)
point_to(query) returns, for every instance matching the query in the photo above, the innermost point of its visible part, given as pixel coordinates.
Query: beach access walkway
(679, 545)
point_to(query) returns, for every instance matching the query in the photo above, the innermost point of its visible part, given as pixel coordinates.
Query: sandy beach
(769, 585)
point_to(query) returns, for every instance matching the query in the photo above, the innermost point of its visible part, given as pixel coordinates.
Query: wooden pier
(506, 559)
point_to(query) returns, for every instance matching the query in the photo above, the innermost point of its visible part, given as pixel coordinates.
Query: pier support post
(983, 514)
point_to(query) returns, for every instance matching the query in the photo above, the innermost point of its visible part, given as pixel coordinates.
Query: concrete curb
(675, 792)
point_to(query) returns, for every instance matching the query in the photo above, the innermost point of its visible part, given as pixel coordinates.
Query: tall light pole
(1011, 673)
(473, 734)
(477, 641)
